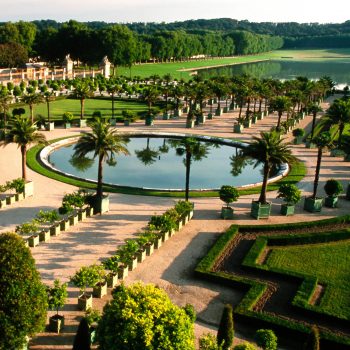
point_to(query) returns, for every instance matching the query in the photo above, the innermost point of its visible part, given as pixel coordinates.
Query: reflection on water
(338, 70)
(155, 163)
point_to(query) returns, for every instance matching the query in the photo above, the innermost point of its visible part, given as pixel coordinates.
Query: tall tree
(82, 91)
(23, 132)
(31, 100)
(280, 104)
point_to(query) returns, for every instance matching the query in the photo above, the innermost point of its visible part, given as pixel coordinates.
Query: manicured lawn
(329, 262)
(58, 107)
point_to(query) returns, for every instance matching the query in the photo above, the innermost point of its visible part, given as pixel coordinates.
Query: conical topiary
(313, 340)
(82, 340)
(226, 331)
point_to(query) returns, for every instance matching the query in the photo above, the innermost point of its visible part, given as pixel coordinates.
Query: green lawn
(329, 262)
(60, 106)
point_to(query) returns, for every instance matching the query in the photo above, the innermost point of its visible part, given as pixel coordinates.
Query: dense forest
(142, 42)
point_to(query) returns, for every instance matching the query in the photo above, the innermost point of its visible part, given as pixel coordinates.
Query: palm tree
(112, 90)
(314, 108)
(322, 141)
(193, 149)
(82, 91)
(150, 95)
(339, 114)
(31, 100)
(105, 143)
(22, 132)
(147, 155)
(5, 102)
(280, 104)
(270, 151)
(49, 97)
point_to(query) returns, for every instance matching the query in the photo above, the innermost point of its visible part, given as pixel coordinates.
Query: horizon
(158, 11)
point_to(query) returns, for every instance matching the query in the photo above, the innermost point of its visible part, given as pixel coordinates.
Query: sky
(123, 11)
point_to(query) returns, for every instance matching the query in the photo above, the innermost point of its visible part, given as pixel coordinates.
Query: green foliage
(28, 228)
(16, 184)
(127, 251)
(49, 216)
(313, 340)
(163, 223)
(183, 207)
(228, 194)
(92, 316)
(112, 263)
(65, 208)
(245, 346)
(82, 340)
(190, 312)
(129, 115)
(67, 117)
(290, 193)
(57, 295)
(226, 331)
(88, 276)
(266, 339)
(298, 132)
(75, 199)
(143, 317)
(23, 300)
(208, 342)
(333, 187)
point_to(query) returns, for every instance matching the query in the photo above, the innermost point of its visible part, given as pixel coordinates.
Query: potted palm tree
(270, 151)
(228, 194)
(22, 132)
(322, 141)
(333, 188)
(238, 127)
(56, 298)
(82, 92)
(105, 143)
(291, 195)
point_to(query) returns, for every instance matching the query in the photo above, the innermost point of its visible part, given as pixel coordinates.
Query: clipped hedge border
(255, 290)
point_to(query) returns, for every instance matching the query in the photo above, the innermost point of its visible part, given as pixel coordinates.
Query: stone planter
(158, 242)
(89, 211)
(67, 125)
(123, 271)
(132, 264)
(298, 140)
(259, 210)
(254, 119)
(50, 126)
(141, 255)
(261, 115)
(85, 302)
(3, 203)
(82, 214)
(19, 196)
(337, 153)
(166, 116)
(65, 224)
(313, 205)
(238, 128)
(186, 109)
(287, 209)
(44, 235)
(10, 199)
(56, 323)
(73, 219)
(28, 189)
(201, 119)
(33, 241)
(225, 110)
(100, 289)
(179, 225)
(149, 121)
(247, 123)
(190, 215)
(218, 112)
(113, 122)
(185, 219)
(210, 116)
(331, 202)
(149, 248)
(165, 236)
(55, 230)
(100, 205)
(82, 123)
(226, 213)
(177, 113)
(189, 124)
(112, 279)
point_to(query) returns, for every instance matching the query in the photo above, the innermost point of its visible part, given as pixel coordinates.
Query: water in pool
(155, 163)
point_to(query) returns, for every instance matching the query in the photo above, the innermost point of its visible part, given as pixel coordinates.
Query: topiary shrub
(143, 317)
(313, 340)
(298, 132)
(289, 193)
(228, 194)
(208, 342)
(226, 332)
(266, 339)
(82, 340)
(23, 299)
(333, 188)
(245, 346)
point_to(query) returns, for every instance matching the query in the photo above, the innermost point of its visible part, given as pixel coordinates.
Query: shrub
(75, 199)
(23, 299)
(67, 117)
(245, 346)
(208, 342)
(183, 207)
(226, 331)
(162, 223)
(128, 115)
(266, 339)
(290, 193)
(92, 316)
(17, 185)
(88, 276)
(191, 312)
(112, 263)
(143, 317)
(127, 251)
(333, 188)
(65, 209)
(47, 216)
(228, 194)
(298, 132)
(82, 340)
(313, 340)
(28, 228)
(57, 295)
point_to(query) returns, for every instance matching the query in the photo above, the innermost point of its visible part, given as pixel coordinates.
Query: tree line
(88, 43)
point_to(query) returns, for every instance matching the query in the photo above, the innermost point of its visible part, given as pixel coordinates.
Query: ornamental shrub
(57, 295)
(88, 276)
(266, 339)
(228, 194)
(245, 346)
(298, 132)
(226, 332)
(333, 188)
(143, 317)
(208, 342)
(23, 299)
(289, 193)
(82, 340)
(313, 340)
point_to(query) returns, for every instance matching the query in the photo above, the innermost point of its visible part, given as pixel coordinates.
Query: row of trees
(124, 46)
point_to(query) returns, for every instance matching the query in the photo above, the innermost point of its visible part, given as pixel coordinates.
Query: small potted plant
(238, 127)
(45, 218)
(56, 297)
(228, 194)
(30, 231)
(298, 136)
(86, 276)
(92, 318)
(291, 195)
(67, 119)
(333, 188)
(128, 116)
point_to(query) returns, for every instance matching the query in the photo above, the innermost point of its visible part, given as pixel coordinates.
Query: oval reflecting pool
(159, 163)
